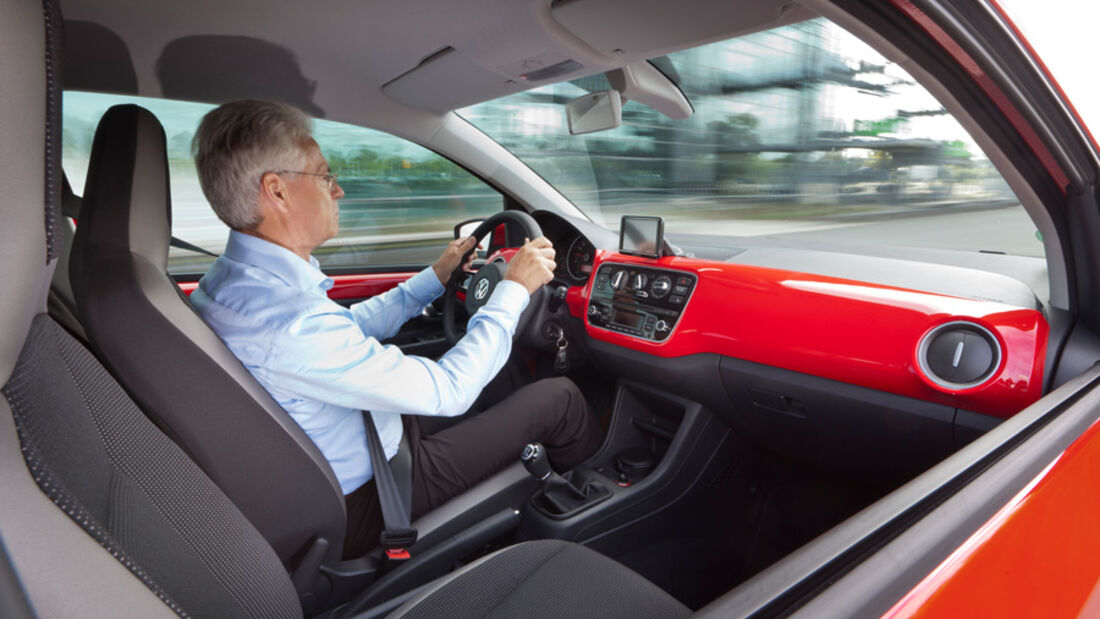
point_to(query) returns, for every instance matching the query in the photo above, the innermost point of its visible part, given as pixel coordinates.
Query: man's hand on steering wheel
(533, 265)
(451, 256)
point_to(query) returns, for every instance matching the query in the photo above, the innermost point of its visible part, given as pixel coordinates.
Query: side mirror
(466, 228)
(596, 111)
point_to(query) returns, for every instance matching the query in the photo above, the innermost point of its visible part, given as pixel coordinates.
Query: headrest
(126, 205)
(30, 167)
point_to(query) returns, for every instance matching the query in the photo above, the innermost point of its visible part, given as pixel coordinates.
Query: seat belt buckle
(397, 541)
(397, 554)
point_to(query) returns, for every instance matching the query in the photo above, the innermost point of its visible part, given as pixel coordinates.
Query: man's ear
(273, 190)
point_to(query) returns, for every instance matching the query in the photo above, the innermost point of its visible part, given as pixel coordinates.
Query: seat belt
(182, 244)
(398, 534)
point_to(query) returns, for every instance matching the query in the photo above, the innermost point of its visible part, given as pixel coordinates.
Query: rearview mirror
(644, 83)
(596, 111)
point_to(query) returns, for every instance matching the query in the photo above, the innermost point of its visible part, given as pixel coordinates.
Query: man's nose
(337, 191)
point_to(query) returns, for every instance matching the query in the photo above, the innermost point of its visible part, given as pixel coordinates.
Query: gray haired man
(267, 179)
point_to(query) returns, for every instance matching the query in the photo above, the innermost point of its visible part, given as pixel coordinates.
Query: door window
(401, 205)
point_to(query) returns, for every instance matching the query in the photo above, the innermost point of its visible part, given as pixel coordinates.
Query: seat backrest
(176, 369)
(102, 515)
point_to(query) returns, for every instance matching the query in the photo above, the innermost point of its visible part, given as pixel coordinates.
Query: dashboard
(871, 365)
(979, 355)
(983, 355)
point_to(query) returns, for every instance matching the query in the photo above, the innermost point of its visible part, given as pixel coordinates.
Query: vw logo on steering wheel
(481, 289)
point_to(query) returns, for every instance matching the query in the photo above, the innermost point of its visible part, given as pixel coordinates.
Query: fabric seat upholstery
(103, 463)
(549, 579)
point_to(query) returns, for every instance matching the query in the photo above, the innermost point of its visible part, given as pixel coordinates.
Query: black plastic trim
(874, 436)
(613, 525)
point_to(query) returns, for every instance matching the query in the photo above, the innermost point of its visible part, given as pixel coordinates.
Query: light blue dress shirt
(323, 363)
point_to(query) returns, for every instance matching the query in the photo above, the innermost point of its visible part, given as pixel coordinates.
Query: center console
(657, 448)
(639, 301)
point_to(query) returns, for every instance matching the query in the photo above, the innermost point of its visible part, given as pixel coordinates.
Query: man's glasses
(330, 179)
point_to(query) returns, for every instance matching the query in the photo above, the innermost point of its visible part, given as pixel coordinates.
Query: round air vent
(959, 355)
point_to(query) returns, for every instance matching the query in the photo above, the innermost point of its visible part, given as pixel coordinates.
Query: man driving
(267, 179)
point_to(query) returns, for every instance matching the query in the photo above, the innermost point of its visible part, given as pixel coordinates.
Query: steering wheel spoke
(461, 281)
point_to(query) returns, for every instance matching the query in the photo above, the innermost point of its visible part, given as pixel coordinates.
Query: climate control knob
(639, 281)
(661, 286)
(618, 280)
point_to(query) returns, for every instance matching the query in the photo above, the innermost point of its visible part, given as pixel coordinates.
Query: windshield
(798, 131)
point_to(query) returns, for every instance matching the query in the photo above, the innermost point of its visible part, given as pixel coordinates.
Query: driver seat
(171, 363)
(181, 374)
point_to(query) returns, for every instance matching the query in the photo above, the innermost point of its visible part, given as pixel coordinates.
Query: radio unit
(643, 302)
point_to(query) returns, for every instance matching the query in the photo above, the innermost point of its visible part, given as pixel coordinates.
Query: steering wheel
(485, 280)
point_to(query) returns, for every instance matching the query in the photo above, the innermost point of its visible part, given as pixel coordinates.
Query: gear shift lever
(535, 461)
(557, 495)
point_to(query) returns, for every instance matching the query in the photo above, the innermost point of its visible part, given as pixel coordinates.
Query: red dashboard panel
(854, 332)
(364, 286)
(346, 286)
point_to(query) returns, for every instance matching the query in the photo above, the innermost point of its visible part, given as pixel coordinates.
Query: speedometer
(578, 261)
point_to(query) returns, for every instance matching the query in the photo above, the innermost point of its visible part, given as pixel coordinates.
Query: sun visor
(449, 80)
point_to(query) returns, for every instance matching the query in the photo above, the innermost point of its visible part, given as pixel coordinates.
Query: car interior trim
(759, 329)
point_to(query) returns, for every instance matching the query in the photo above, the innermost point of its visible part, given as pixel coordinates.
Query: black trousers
(551, 411)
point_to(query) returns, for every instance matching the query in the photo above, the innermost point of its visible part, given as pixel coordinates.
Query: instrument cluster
(575, 257)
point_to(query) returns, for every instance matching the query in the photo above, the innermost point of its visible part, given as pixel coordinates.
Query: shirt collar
(277, 260)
